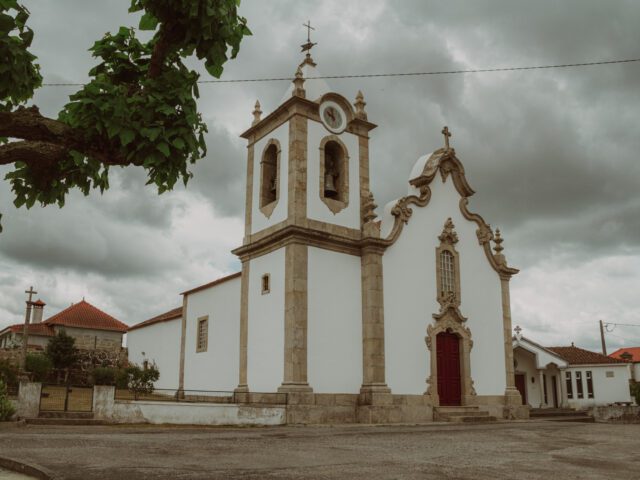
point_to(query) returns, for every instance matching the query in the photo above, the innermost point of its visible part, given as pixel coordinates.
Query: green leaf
(164, 148)
(148, 22)
(178, 143)
(126, 136)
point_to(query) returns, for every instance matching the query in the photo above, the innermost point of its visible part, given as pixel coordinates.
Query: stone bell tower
(306, 307)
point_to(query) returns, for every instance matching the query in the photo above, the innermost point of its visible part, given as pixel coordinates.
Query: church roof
(213, 284)
(163, 317)
(85, 315)
(633, 351)
(580, 356)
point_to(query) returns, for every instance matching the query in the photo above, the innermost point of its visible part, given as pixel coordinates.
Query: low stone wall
(105, 407)
(616, 414)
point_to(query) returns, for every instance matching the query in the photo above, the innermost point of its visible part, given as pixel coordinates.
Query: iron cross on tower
(307, 46)
(447, 134)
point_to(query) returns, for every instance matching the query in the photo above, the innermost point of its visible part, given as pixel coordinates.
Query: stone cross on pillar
(25, 331)
(518, 331)
(447, 134)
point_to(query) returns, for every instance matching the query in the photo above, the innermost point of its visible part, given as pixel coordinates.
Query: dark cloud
(552, 154)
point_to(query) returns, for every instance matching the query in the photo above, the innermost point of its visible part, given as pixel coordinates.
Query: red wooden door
(520, 385)
(448, 356)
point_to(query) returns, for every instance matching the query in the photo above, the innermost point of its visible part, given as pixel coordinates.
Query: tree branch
(47, 139)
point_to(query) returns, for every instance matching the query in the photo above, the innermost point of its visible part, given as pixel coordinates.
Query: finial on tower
(447, 134)
(298, 84)
(360, 104)
(256, 113)
(306, 47)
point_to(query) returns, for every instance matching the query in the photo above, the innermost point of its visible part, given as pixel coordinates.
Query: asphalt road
(527, 450)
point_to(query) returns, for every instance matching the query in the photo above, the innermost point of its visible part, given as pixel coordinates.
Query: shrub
(8, 373)
(635, 391)
(62, 351)
(39, 365)
(104, 376)
(6, 407)
(122, 378)
(140, 380)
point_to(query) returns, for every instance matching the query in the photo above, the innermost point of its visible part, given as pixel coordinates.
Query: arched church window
(447, 272)
(269, 181)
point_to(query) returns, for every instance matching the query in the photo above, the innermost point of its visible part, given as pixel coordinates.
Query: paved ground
(530, 450)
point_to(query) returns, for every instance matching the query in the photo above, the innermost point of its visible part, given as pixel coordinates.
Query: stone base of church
(374, 407)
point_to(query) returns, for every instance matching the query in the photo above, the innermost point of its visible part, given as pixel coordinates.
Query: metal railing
(202, 396)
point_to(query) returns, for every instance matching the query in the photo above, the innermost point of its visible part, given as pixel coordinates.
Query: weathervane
(309, 45)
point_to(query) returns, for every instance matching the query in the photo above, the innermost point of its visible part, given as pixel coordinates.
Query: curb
(27, 469)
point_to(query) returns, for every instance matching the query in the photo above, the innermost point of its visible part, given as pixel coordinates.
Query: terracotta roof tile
(164, 317)
(34, 329)
(580, 356)
(85, 315)
(633, 351)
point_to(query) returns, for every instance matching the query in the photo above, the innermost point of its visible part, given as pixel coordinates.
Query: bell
(329, 188)
(272, 188)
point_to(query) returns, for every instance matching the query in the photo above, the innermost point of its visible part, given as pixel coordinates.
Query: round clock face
(333, 116)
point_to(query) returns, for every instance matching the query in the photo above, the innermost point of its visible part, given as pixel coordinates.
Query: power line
(396, 74)
(623, 324)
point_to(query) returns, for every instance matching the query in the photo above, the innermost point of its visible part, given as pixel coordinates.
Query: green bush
(635, 391)
(39, 365)
(122, 378)
(104, 376)
(8, 373)
(140, 380)
(6, 407)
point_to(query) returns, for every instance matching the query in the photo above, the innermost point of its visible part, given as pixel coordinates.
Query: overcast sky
(552, 154)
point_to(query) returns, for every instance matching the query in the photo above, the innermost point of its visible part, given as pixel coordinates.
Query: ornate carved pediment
(484, 233)
(450, 312)
(448, 234)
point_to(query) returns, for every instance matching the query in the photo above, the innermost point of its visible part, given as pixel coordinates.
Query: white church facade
(354, 317)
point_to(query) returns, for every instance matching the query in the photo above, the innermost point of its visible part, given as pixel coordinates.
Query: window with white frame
(579, 387)
(569, 385)
(447, 272)
(589, 385)
(202, 336)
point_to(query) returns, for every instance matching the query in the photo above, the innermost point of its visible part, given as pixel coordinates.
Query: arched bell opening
(269, 177)
(334, 173)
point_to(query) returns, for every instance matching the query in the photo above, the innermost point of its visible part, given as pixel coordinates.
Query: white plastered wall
(259, 220)
(334, 322)
(265, 346)
(606, 389)
(160, 343)
(410, 296)
(316, 208)
(217, 367)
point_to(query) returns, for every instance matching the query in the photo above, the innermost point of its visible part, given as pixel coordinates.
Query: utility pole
(604, 345)
(25, 330)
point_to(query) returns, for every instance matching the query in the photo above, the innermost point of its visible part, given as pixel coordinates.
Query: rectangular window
(544, 381)
(266, 283)
(569, 385)
(610, 374)
(579, 385)
(202, 337)
(589, 385)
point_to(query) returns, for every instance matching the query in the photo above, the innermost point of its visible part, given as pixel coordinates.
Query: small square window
(610, 374)
(202, 337)
(266, 283)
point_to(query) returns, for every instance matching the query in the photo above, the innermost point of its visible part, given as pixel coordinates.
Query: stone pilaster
(297, 197)
(295, 319)
(373, 361)
(183, 336)
(248, 206)
(243, 385)
(511, 393)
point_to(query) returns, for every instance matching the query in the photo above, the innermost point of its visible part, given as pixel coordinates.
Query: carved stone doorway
(449, 378)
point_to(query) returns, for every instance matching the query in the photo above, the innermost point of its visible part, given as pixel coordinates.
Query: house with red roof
(92, 328)
(632, 356)
(568, 376)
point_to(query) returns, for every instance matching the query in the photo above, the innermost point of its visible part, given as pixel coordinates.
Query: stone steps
(561, 415)
(465, 414)
(57, 414)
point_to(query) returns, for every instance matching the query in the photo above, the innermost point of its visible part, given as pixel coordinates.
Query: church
(355, 317)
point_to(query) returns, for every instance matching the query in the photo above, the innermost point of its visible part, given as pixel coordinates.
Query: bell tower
(304, 297)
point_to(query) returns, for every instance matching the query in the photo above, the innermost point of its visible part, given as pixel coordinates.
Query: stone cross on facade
(447, 134)
(518, 331)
